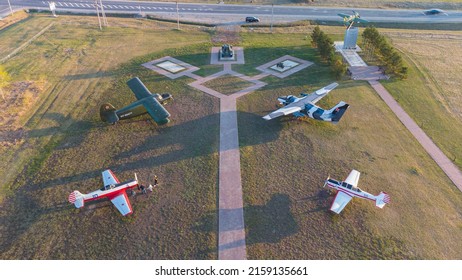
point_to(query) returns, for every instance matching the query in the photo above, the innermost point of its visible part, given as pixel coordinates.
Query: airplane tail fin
(336, 113)
(77, 199)
(107, 112)
(382, 199)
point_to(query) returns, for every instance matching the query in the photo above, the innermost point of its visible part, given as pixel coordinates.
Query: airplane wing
(152, 106)
(156, 110)
(320, 93)
(361, 20)
(344, 15)
(283, 112)
(109, 178)
(138, 88)
(353, 178)
(122, 203)
(340, 201)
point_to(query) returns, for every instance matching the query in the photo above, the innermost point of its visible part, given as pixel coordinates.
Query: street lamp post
(177, 16)
(272, 14)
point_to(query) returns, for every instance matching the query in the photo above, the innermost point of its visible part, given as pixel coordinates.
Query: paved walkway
(372, 75)
(231, 229)
(367, 73)
(438, 156)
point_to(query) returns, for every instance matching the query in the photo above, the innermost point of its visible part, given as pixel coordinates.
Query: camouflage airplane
(304, 106)
(352, 19)
(147, 103)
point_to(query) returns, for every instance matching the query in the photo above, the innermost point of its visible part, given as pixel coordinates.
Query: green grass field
(65, 147)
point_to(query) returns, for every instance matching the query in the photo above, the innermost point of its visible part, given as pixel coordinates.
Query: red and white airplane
(113, 189)
(348, 189)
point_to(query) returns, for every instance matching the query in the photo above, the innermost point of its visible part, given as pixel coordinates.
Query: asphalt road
(298, 12)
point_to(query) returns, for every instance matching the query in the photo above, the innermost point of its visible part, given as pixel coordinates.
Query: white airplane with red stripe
(348, 189)
(112, 189)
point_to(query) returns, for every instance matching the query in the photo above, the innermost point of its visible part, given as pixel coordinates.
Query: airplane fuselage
(110, 190)
(349, 189)
(133, 110)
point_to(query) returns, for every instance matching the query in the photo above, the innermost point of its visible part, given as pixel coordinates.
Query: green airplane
(147, 103)
(352, 19)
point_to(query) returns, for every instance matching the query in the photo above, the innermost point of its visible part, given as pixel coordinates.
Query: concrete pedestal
(351, 36)
(226, 58)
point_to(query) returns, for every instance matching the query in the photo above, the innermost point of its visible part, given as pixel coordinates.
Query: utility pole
(11, 9)
(272, 14)
(97, 13)
(103, 14)
(177, 15)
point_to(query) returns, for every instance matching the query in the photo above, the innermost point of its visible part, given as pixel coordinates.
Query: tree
(326, 49)
(384, 51)
(338, 67)
(4, 80)
(315, 35)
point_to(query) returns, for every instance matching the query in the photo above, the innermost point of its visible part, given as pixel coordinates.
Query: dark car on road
(252, 19)
(434, 12)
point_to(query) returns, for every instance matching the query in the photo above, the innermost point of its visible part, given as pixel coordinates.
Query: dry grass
(438, 56)
(431, 93)
(64, 146)
(12, 19)
(284, 164)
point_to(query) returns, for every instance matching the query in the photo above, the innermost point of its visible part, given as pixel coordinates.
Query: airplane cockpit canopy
(333, 181)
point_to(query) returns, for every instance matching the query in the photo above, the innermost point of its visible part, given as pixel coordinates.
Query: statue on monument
(349, 20)
(227, 51)
(351, 32)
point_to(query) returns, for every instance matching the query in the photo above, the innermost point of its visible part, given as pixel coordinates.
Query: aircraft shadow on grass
(319, 202)
(268, 223)
(194, 138)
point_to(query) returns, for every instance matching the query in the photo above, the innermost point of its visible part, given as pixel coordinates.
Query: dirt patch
(9, 20)
(228, 34)
(18, 99)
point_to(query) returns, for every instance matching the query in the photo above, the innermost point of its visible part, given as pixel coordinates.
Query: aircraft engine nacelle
(164, 98)
(107, 113)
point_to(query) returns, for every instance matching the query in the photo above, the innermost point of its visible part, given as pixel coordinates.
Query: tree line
(326, 49)
(377, 44)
